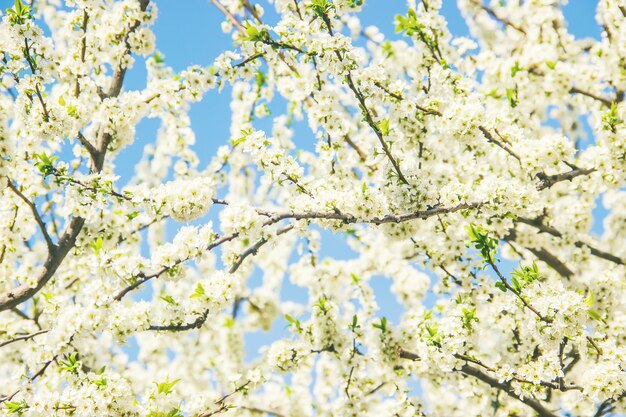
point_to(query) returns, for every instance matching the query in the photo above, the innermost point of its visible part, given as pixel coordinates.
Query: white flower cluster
(418, 225)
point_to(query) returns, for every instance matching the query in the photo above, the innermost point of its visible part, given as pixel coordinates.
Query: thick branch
(543, 255)
(24, 292)
(104, 137)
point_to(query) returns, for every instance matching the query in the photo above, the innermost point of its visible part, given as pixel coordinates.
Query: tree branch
(552, 261)
(496, 142)
(24, 292)
(83, 50)
(493, 382)
(30, 380)
(232, 19)
(196, 324)
(549, 181)
(500, 19)
(252, 250)
(274, 217)
(605, 101)
(375, 128)
(33, 209)
(68, 239)
(536, 223)
(25, 337)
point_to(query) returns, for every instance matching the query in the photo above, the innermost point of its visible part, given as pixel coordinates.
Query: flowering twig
(36, 215)
(24, 337)
(493, 382)
(196, 324)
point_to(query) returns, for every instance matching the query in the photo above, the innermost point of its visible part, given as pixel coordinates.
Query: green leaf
(70, 363)
(611, 119)
(168, 299)
(45, 163)
(384, 127)
(410, 26)
(355, 323)
(469, 316)
(199, 291)
(482, 242)
(132, 215)
(166, 387)
(515, 69)
(382, 326)
(100, 383)
(501, 286)
(590, 299)
(158, 57)
(522, 276)
(434, 338)
(511, 95)
(387, 47)
(493, 93)
(174, 412)
(16, 407)
(322, 304)
(260, 79)
(293, 322)
(321, 7)
(551, 64)
(19, 13)
(256, 35)
(96, 245)
(72, 110)
(594, 314)
(515, 284)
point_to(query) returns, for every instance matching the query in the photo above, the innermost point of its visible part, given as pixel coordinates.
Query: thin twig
(229, 16)
(38, 219)
(25, 337)
(196, 324)
(605, 101)
(83, 50)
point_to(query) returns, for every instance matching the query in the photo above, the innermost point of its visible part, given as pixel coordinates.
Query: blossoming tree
(434, 157)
